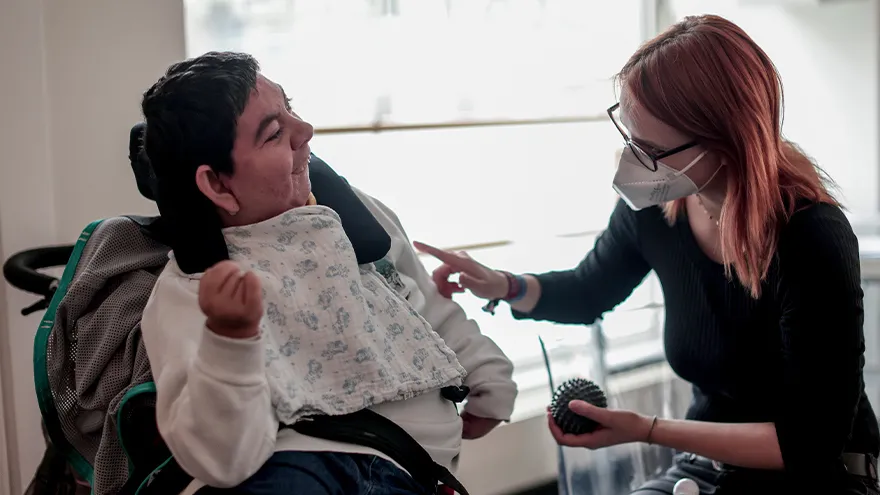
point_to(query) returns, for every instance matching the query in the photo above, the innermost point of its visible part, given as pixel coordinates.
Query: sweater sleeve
(212, 399)
(605, 278)
(822, 339)
(490, 372)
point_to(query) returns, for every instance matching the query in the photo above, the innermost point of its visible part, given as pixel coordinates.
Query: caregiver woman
(759, 268)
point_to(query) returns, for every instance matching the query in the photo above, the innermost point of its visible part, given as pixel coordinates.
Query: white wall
(72, 76)
(73, 73)
(26, 211)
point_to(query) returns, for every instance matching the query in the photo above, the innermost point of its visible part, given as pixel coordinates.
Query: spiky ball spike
(576, 389)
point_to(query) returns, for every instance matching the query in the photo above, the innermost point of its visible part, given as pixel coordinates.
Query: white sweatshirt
(213, 401)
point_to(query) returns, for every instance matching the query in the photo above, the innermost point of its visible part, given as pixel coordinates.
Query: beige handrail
(460, 124)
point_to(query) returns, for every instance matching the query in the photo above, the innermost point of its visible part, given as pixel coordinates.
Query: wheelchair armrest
(139, 433)
(21, 269)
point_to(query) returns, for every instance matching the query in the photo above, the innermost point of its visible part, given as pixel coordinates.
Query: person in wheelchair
(273, 314)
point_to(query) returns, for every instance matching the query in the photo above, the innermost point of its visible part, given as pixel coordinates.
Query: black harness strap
(365, 428)
(370, 429)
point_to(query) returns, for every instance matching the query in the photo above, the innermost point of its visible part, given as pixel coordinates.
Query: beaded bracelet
(516, 290)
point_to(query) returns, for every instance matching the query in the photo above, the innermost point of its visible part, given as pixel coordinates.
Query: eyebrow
(268, 119)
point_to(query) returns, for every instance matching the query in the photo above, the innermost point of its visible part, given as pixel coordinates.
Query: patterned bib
(338, 337)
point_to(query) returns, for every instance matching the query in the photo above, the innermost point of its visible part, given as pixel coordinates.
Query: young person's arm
(213, 405)
(490, 372)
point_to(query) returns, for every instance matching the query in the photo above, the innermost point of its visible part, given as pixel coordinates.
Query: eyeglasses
(647, 157)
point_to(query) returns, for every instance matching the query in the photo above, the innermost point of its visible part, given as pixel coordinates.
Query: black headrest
(140, 164)
(194, 232)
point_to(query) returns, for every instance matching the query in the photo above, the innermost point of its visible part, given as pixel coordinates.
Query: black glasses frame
(641, 153)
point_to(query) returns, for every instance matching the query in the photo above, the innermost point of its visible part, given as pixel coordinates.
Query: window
(480, 122)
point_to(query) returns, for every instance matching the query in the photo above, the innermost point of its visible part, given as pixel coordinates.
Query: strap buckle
(455, 394)
(491, 305)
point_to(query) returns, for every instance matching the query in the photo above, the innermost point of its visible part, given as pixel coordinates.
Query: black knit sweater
(793, 357)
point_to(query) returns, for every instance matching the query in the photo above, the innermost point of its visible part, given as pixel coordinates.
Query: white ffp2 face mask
(641, 188)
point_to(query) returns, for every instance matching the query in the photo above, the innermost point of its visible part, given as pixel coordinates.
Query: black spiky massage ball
(576, 389)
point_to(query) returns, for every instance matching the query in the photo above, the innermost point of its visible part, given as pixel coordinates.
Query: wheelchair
(93, 381)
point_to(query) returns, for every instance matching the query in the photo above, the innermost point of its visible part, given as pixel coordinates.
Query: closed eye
(275, 136)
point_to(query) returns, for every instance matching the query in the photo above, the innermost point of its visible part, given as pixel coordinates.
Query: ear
(214, 188)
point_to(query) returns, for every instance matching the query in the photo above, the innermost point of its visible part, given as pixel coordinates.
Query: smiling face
(270, 156)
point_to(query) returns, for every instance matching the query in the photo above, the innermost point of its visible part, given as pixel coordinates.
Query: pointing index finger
(451, 259)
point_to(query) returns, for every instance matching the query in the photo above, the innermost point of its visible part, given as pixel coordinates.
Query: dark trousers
(325, 473)
(717, 480)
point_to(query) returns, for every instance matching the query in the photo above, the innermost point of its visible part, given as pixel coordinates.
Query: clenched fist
(232, 301)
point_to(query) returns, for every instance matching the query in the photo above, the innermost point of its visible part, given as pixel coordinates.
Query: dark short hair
(191, 116)
(192, 111)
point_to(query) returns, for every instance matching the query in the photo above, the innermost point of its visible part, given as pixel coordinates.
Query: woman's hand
(231, 300)
(616, 427)
(481, 280)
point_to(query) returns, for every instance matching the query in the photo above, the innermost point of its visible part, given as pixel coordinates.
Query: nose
(302, 134)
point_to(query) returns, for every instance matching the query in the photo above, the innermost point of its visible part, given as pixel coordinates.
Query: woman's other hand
(479, 279)
(615, 427)
(232, 301)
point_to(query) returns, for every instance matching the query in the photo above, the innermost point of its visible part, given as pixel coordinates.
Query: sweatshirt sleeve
(490, 372)
(605, 278)
(213, 405)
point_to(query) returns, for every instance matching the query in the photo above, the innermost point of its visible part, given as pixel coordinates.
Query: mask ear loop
(692, 163)
(713, 176)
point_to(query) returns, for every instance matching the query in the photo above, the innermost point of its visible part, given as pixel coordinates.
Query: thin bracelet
(653, 424)
(522, 288)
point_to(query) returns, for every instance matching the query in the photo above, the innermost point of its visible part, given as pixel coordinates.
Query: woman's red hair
(707, 78)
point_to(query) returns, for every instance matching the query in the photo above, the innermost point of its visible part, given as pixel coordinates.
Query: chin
(301, 193)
